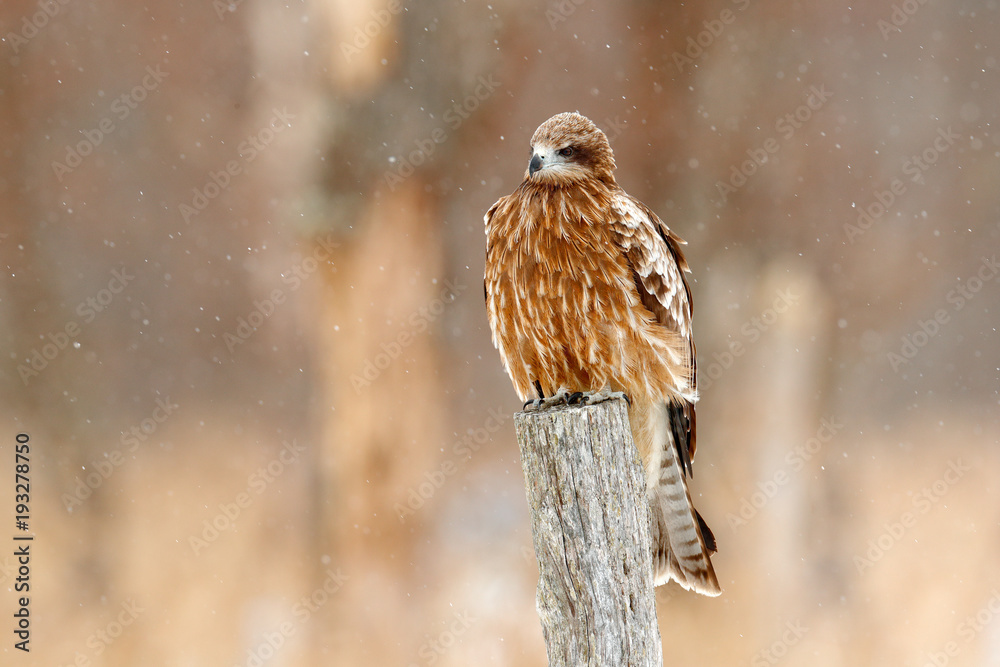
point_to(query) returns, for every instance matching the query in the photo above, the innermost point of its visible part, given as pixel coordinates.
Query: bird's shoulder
(500, 204)
(641, 228)
(501, 221)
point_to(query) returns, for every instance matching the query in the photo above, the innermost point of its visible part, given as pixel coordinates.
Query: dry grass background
(398, 532)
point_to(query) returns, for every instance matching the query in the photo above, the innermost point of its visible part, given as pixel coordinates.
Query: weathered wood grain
(590, 522)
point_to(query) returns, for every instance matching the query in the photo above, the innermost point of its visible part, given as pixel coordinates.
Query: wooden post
(590, 520)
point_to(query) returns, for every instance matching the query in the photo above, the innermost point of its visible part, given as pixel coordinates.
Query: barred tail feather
(682, 541)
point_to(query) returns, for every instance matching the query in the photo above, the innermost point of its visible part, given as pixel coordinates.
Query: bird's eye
(566, 152)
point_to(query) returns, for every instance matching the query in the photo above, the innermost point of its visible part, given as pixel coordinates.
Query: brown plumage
(585, 292)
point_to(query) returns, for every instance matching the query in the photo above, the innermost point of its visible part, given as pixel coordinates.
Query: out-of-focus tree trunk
(384, 424)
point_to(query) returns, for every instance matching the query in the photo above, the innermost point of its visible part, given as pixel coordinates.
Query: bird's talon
(593, 398)
(534, 405)
(574, 398)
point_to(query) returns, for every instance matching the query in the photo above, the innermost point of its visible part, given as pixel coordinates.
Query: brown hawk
(587, 300)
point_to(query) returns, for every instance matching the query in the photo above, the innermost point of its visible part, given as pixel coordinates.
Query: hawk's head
(569, 148)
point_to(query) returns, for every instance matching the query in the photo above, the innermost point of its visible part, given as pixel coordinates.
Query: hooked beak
(535, 164)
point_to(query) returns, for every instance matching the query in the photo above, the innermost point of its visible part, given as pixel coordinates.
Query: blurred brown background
(242, 248)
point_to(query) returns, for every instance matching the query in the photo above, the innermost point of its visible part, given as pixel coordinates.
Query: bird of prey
(587, 301)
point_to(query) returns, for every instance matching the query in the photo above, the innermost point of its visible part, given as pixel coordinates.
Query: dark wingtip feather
(681, 426)
(706, 533)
